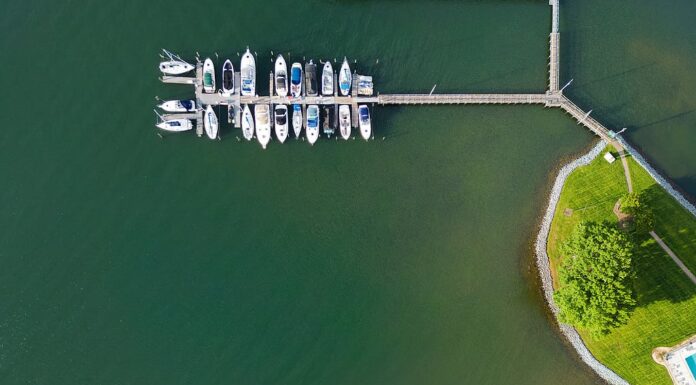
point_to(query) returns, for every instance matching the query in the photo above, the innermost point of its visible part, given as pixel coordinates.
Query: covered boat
(345, 78)
(210, 123)
(281, 76)
(344, 121)
(312, 128)
(328, 118)
(263, 124)
(228, 77)
(296, 80)
(365, 123)
(297, 119)
(311, 79)
(175, 125)
(281, 122)
(327, 79)
(178, 105)
(208, 76)
(248, 74)
(247, 123)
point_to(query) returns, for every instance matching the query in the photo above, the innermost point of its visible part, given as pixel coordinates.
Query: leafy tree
(596, 276)
(635, 205)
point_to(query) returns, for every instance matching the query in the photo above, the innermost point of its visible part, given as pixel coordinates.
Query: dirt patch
(624, 219)
(568, 212)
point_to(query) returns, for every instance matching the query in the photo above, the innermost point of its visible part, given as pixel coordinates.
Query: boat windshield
(364, 114)
(175, 124)
(280, 82)
(281, 119)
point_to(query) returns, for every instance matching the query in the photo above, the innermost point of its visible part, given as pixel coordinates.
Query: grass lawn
(666, 310)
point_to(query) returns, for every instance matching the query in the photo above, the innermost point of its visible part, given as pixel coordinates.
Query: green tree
(596, 278)
(635, 205)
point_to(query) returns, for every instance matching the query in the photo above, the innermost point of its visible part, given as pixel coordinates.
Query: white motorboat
(296, 80)
(327, 79)
(247, 123)
(263, 124)
(228, 77)
(281, 122)
(312, 123)
(175, 125)
(365, 123)
(210, 122)
(344, 121)
(281, 76)
(297, 120)
(345, 78)
(248, 74)
(174, 66)
(208, 76)
(178, 105)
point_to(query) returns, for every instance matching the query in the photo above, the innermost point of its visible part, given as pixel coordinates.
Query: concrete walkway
(629, 182)
(674, 257)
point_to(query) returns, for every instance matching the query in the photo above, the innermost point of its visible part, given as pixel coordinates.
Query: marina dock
(552, 98)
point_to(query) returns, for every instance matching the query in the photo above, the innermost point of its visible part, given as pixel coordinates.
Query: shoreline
(544, 269)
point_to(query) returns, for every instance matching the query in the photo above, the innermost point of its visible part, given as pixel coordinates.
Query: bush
(596, 278)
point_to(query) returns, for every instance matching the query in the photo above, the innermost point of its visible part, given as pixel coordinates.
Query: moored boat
(296, 80)
(247, 123)
(175, 65)
(345, 78)
(263, 124)
(208, 76)
(248, 74)
(327, 79)
(178, 105)
(312, 128)
(228, 77)
(281, 122)
(365, 122)
(297, 120)
(210, 123)
(175, 125)
(344, 121)
(311, 78)
(281, 76)
(328, 119)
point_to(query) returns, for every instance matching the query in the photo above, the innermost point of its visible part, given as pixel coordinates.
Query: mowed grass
(666, 309)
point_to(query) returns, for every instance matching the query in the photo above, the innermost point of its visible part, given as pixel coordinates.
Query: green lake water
(133, 259)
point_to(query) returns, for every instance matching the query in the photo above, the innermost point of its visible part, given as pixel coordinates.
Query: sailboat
(327, 79)
(210, 123)
(178, 105)
(312, 124)
(344, 121)
(297, 119)
(281, 76)
(281, 122)
(365, 123)
(247, 123)
(345, 78)
(175, 65)
(175, 125)
(208, 76)
(263, 124)
(296, 79)
(248, 74)
(228, 77)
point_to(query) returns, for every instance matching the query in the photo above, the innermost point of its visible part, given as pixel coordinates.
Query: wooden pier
(552, 98)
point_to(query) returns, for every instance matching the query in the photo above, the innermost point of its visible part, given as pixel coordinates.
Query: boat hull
(208, 76)
(365, 122)
(175, 125)
(248, 74)
(281, 77)
(297, 120)
(228, 77)
(247, 123)
(344, 78)
(344, 121)
(263, 124)
(327, 79)
(178, 106)
(312, 125)
(281, 122)
(296, 80)
(210, 123)
(175, 67)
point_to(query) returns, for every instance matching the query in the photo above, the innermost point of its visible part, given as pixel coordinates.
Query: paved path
(629, 183)
(674, 257)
